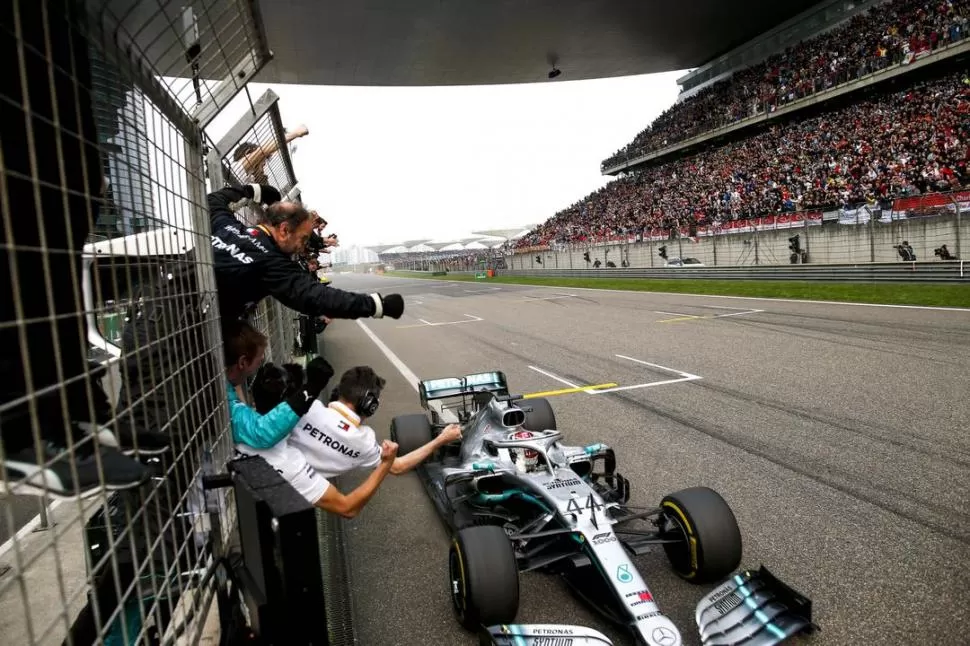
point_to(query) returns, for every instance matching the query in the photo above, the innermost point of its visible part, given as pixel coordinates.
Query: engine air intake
(513, 417)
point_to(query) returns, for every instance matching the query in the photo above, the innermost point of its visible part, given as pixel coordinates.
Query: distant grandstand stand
(904, 137)
(482, 250)
(891, 34)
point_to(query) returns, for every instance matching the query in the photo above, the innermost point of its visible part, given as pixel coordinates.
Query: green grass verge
(883, 293)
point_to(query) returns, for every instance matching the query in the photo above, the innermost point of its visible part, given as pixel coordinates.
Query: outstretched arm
(405, 463)
(255, 160)
(350, 505)
(298, 290)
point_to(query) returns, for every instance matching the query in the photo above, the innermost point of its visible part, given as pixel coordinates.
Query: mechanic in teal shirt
(245, 348)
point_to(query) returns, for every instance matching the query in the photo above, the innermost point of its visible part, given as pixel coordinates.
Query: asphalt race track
(839, 434)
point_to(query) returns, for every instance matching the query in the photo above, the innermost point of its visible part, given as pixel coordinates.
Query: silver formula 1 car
(516, 498)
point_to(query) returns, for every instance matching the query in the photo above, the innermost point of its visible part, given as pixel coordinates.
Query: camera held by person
(944, 253)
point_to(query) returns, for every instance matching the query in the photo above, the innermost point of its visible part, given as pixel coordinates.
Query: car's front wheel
(711, 546)
(410, 432)
(484, 577)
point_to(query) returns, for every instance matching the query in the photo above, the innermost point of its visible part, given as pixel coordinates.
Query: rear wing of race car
(493, 382)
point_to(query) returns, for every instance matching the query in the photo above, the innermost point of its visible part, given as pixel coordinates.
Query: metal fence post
(956, 241)
(872, 233)
(45, 523)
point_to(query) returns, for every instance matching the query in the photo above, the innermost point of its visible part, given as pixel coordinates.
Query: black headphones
(367, 405)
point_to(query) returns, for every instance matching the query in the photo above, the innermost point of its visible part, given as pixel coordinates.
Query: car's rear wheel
(538, 414)
(484, 577)
(410, 432)
(711, 549)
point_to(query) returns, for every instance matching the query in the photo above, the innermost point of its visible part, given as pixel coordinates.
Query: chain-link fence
(931, 227)
(112, 407)
(256, 150)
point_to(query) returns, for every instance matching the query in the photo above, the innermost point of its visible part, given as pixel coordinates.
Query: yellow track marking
(566, 391)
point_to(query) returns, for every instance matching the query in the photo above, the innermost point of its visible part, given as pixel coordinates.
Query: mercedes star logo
(664, 636)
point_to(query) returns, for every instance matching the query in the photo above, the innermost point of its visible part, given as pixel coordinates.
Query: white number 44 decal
(591, 504)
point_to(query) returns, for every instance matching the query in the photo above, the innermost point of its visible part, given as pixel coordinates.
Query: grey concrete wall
(830, 243)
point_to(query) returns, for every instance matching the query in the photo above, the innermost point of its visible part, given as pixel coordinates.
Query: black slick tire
(410, 432)
(712, 547)
(483, 577)
(539, 415)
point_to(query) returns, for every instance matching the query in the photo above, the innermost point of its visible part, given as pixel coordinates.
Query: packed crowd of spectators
(892, 33)
(464, 260)
(907, 142)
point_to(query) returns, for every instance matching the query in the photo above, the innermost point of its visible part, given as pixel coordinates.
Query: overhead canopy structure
(480, 42)
(382, 248)
(414, 243)
(508, 234)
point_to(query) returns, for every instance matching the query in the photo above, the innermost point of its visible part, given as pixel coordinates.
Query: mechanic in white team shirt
(335, 440)
(273, 384)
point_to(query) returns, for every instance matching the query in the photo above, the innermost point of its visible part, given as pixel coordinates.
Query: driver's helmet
(525, 459)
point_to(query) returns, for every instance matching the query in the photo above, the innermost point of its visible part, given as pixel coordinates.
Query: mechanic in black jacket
(251, 264)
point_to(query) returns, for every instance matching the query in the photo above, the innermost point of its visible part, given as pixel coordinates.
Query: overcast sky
(385, 165)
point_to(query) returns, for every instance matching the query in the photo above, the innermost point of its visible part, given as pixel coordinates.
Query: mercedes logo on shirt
(664, 636)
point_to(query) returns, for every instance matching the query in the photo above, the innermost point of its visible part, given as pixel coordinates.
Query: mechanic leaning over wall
(251, 264)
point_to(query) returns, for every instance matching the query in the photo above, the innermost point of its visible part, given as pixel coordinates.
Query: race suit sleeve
(299, 291)
(220, 213)
(259, 431)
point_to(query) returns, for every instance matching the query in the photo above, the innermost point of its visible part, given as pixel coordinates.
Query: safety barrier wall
(915, 272)
(859, 235)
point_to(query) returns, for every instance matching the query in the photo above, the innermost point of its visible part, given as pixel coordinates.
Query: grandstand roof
(381, 248)
(414, 243)
(479, 42)
(508, 234)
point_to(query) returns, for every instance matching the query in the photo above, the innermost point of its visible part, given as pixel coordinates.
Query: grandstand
(854, 105)
(484, 249)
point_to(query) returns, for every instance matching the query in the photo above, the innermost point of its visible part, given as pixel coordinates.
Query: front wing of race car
(751, 608)
(541, 635)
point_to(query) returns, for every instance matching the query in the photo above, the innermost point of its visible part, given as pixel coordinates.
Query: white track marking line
(406, 372)
(445, 414)
(647, 385)
(721, 316)
(529, 299)
(658, 366)
(745, 298)
(588, 391)
(552, 376)
(684, 377)
(471, 319)
(693, 316)
(722, 307)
